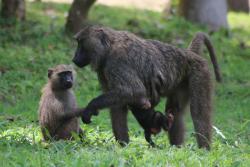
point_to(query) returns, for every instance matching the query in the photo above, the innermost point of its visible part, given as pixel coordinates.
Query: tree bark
(13, 9)
(212, 13)
(239, 5)
(78, 14)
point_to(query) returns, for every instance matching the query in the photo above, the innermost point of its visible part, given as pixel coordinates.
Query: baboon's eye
(81, 43)
(65, 73)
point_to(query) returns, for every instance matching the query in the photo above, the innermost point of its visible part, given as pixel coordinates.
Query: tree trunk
(212, 13)
(78, 14)
(13, 9)
(239, 5)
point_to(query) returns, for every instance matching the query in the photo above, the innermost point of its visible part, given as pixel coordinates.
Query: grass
(28, 50)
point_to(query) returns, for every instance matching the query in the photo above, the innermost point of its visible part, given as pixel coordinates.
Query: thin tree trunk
(167, 9)
(13, 9)
(78, 14)
(212, 13)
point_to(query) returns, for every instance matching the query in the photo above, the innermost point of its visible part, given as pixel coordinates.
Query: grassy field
(28, 50)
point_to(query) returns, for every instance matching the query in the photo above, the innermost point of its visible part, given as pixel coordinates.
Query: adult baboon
(57, 107)
(130, 68)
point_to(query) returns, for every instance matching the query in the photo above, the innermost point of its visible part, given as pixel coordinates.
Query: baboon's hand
(86, 116)
(170, 118)
(95, 113)
(145, 103)
(167, 121)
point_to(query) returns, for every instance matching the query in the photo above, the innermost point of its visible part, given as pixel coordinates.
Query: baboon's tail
(196, 47)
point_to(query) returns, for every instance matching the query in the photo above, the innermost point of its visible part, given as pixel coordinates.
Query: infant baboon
(130, 67)
(57, 108)
(152, 122)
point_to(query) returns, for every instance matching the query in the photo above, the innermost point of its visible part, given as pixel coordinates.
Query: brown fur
(130, 68)
(57, 108)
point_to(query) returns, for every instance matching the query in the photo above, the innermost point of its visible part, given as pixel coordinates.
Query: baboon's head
(61, 77)
(161, 121)
(166, 121)
(93, 44)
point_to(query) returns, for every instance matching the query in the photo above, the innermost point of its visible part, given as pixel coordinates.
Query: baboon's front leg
(109, 99)
(119, 124)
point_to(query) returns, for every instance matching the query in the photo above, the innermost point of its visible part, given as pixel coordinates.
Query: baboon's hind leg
(201, 107)
(119, 124)
(176, 106)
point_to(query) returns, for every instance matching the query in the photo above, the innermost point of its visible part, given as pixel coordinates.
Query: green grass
(28, 50)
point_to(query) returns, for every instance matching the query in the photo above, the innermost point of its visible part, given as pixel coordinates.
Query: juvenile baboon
(130, 68)
(57, 108)
(152, 122)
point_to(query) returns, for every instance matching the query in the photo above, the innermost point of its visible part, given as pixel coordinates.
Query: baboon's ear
(50, 72)
(103, 37)
(76, 36)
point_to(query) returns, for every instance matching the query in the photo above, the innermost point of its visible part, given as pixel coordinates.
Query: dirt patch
(157, 5)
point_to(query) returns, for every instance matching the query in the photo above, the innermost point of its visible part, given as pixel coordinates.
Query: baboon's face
(65, 79)
(92, 44)
(61, 79)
